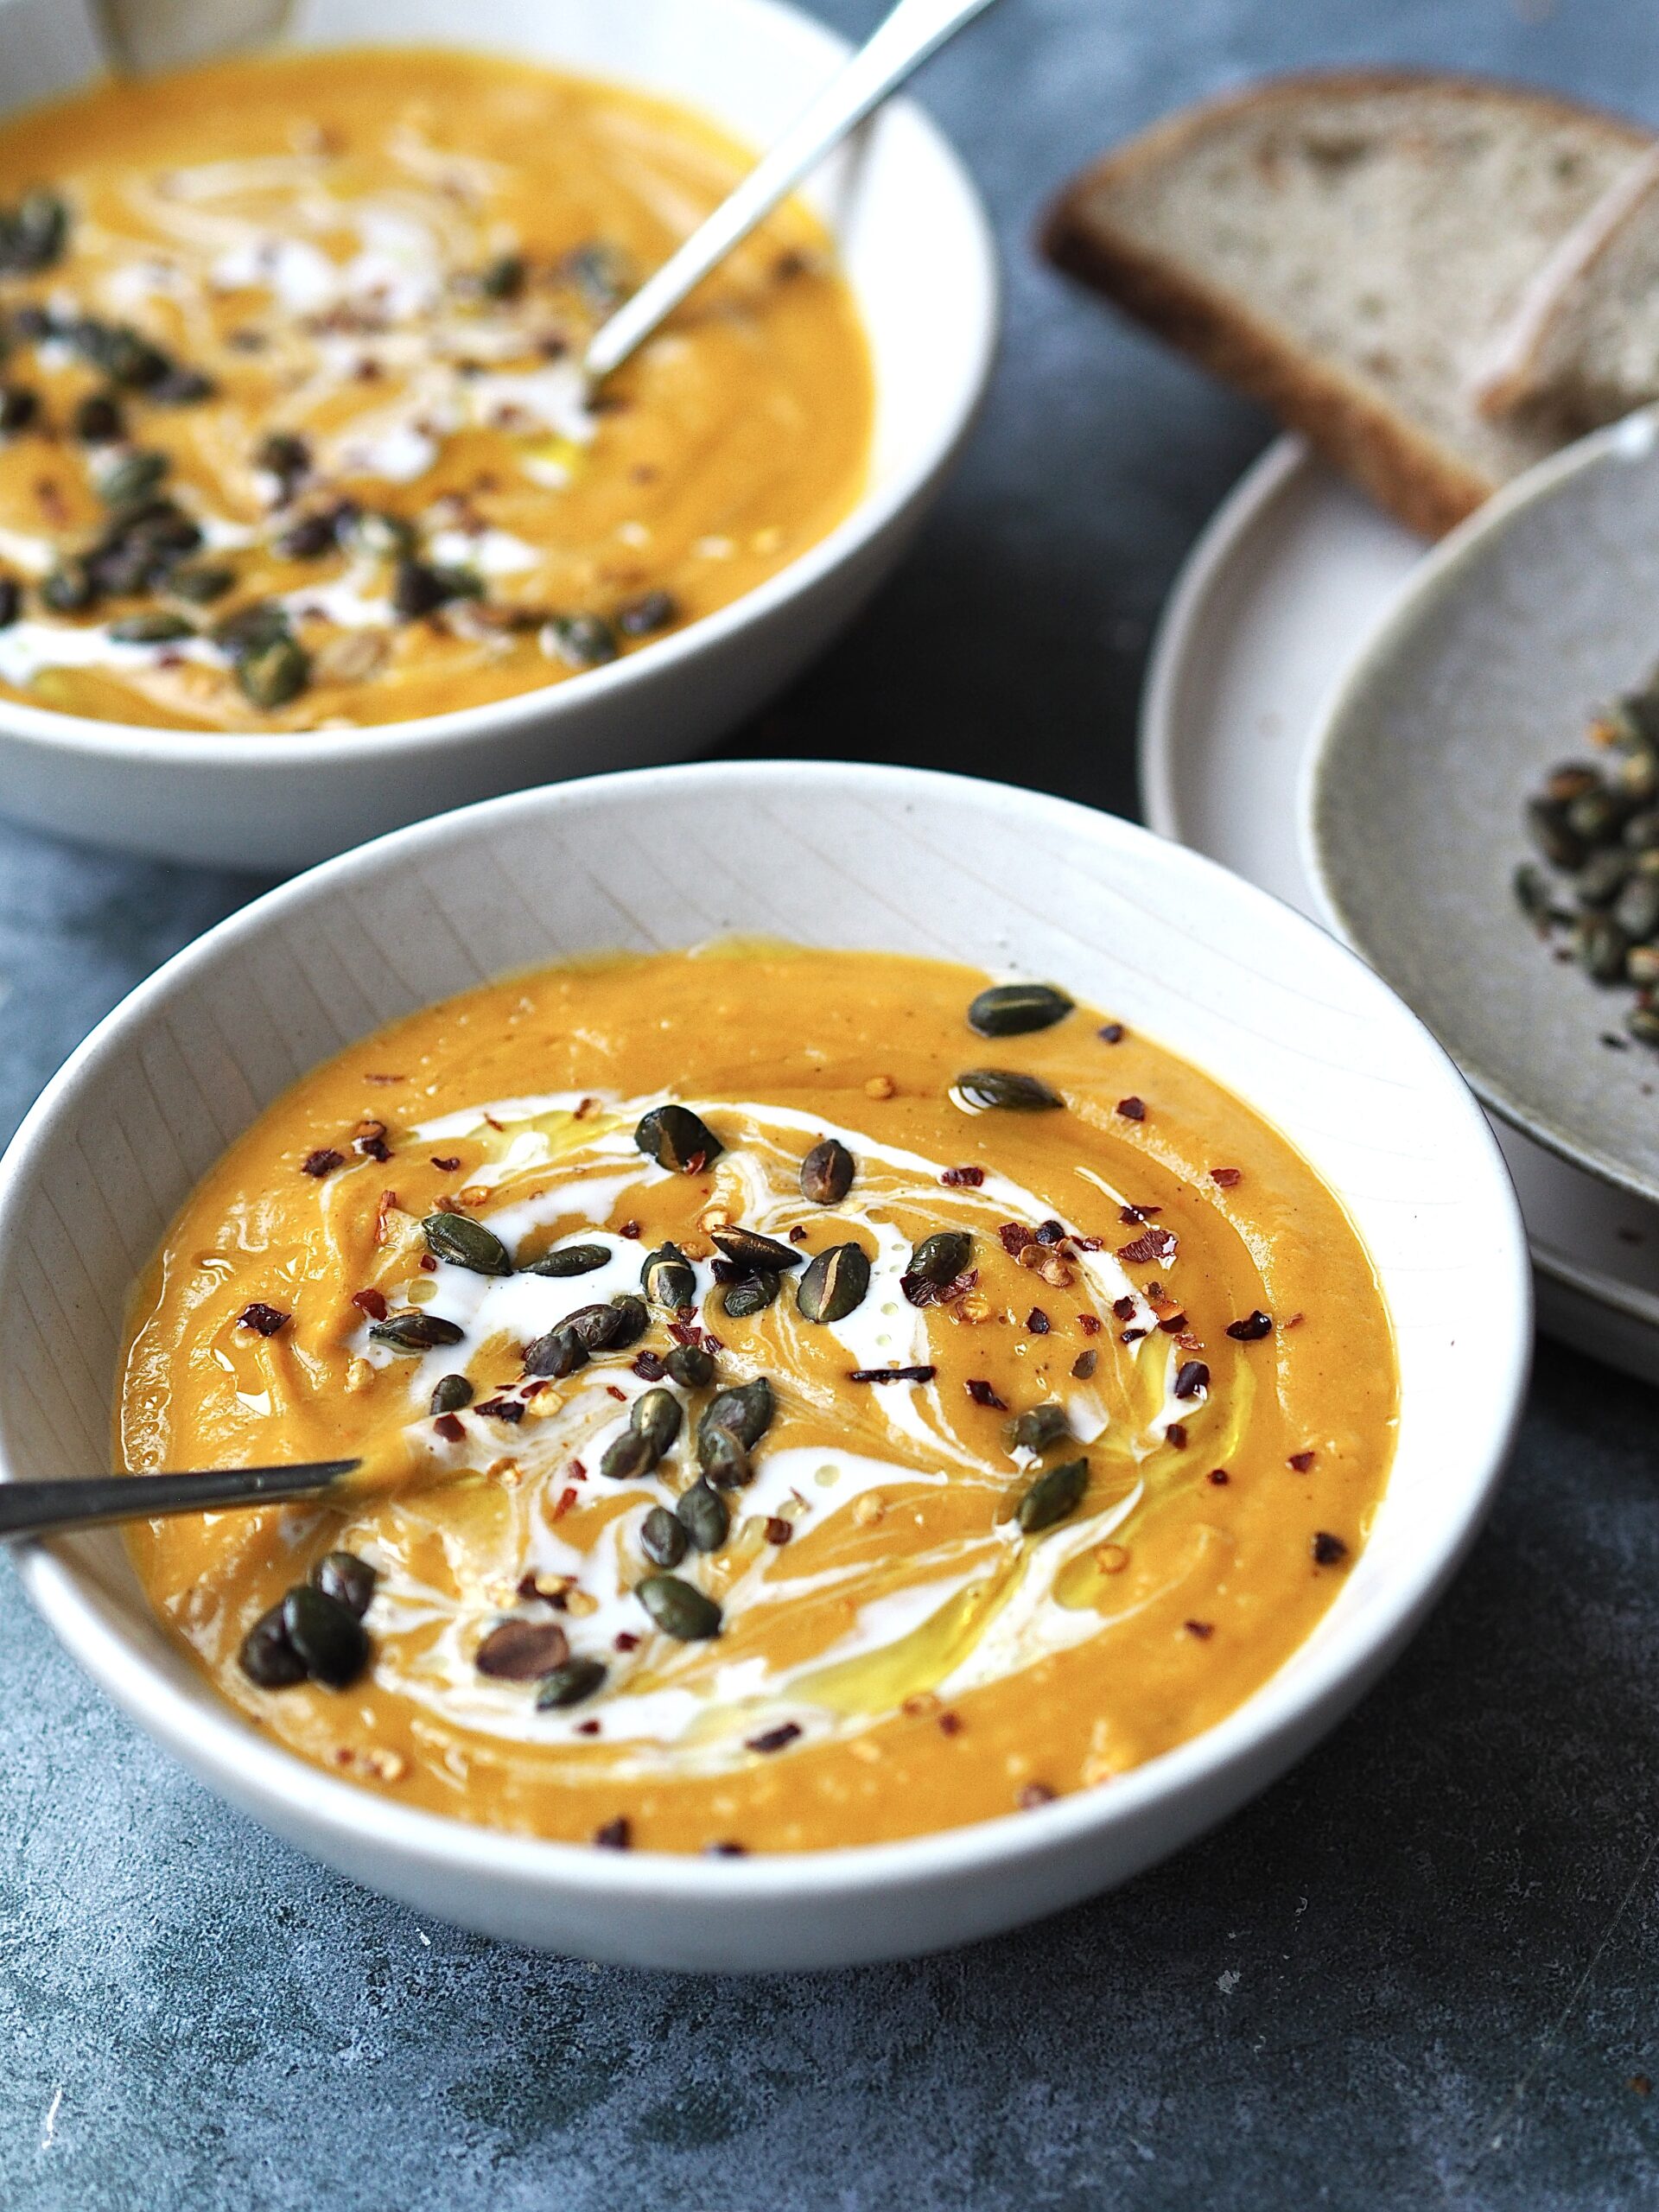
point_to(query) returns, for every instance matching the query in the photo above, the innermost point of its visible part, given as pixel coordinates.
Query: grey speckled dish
(1484, 675)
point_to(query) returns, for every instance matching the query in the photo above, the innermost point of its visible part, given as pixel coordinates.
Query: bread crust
(1407, 472)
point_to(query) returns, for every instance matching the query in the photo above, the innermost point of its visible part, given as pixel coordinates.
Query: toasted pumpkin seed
(134, 476)
(740, 1300)
(18, 407)
(827, 1173)
(267, 1657)
(594, 1327)
(1602, 876)
(942, 1257)
(557, 1354)
(746, 1410)
(151, 630)
(676, 1138)
(272, 674)
(1054, 1497)
(98, 420)
(570, 1684)
(466, 1243)
(662, 1538)
(69, 589)
(1008, 1089)
(702, 1512)
(1636, 908)
(835, 1285)
(580, 640)
(668, 1280)
(691, 1366)
(201, 581)
(453, 1393)
(1547, 826)
(760, 1255)
(1038, 1428)
(632, 1320)
(724, 1458)
(679, 1608)
(628, 1458)
(1601, 947)
(522, 1651)
(348, 1579)
(566, 1260)
(1642, 1022)
(657, 1416)
(415, 1331)
(329, 1637)
(1015, 1009)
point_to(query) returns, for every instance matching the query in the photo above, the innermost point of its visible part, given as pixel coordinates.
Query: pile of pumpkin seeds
(1596, 825)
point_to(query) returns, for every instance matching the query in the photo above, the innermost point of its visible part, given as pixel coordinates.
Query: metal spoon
(49, 1508)
(915, 29)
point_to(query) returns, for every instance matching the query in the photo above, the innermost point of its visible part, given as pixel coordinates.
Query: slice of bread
(1346, 249)
(1581, 346)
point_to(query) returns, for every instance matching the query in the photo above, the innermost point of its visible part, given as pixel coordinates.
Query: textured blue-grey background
(1420, 1972)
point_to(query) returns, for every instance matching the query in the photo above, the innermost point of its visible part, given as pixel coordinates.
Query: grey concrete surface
(1421, 1971)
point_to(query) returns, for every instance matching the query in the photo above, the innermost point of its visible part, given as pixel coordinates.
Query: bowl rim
(877, 507)
(213, 1736)
(1437, 577)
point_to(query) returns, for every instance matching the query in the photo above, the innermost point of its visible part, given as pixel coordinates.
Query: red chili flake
(1203, 1629)
(1015, 1236)
(1124, 1308)
(1173, 1324)
(797, 1235)
(1227, 1177)
(648, 1366)
(449, 1428)
(630, 1229)
(1037, 1322)
(893, 1374)
(265, 1319)
(508, 1409)
(621, 1396)
(1091, 1323)
(1187, 1341)
(567, 1499)
(950, 1724)
(615, 1835)
(1151, 1246)
(384, 1079)
(1113, 1033)
(962, 1179)
(1084, 1365)
(370, 1302)
(725, 1849)
(774, 1739)
(446, 1162)
(1220, 1477)
(779, 1531)
(1254, 1325)
(374, 1147)
(1029, 1795)
(983, 1395)
(590, 1728)
(1295, 1321)
(1191, 1377)
(711, 1342)
(1050, 1232)
(1301, 1461)
(1132, 1109)
(428, 1265)
(1175, 1435)
(1328, 1550)
(323, 1161)
(626, 1640)
(682, 1332)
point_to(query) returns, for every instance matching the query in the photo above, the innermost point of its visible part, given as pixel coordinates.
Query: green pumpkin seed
(415, 1331)
(746, 1410)
(134, 476)
(1053, 1496)
(1039, 1428)
(1602, 877)
(1008, 1089)
(69, 589)
(942, 1257)
(1641, 832)
(657, 1416)
(703, 1514)
(668, 1278)
(1547, 826)
(452, 1394)
(1636, 908)
(1595, 816)
(201, 581)
(556, 1355)
(151, 630)
(691, 1366)
(580, 640)
(1534, 892)
(632, 1320)
(98, 420)
(250, 629)
(675, 1138)
(592, 1327)
(521, 1650)
(827, 1173)
(740, 1300)
(267, 1657)
(1015, 1009)
(679, 1609)
(466, 1243)
(274, 674)
(835, 1285)
(566, 1260)
(724, 1458)
(329, 1637)
(662, 1538)
(571, 1684)
(1601, 947)
(380, 536)
(760, 1255)
(630, 1457)
(504, 277)
(348, 1579)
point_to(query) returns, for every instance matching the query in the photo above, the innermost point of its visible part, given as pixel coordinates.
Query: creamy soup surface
(292, 432)
(1041, 1425)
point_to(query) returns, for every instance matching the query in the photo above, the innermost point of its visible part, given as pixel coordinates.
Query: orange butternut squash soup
(804, 1398)
(293, 434)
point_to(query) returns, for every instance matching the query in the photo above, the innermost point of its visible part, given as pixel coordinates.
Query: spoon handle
(48, 1508)
(913, 30)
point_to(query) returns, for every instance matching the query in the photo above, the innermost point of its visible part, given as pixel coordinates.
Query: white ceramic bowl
(878, 857)
(919, 254)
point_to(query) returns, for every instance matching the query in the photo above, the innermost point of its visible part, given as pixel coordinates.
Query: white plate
(1277, 598)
